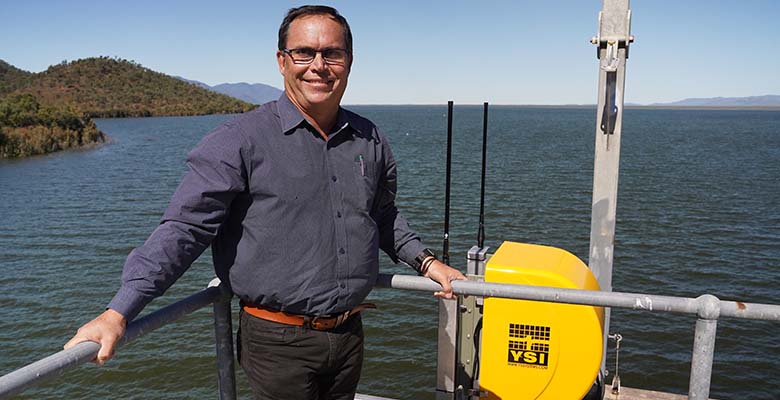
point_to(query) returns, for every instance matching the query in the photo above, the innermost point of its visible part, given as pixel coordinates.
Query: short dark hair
(304, 11)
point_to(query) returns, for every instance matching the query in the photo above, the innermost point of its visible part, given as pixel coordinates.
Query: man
(295, 198)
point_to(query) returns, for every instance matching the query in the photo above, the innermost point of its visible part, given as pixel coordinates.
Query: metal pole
(47, 368)
(58, 363)
(223, 334)
(448, 319)
(481, 230)
(446, 350)
(704, 347)
(445, 257)
(633, 301)
(613, 41)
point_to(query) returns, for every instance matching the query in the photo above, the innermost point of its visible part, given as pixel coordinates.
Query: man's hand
(443, 274)
(106, 330)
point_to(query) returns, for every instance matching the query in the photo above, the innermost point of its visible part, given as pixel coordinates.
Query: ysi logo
(527, 357)
(528, 345)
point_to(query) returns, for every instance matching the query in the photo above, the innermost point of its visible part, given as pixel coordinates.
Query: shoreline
(105, 139)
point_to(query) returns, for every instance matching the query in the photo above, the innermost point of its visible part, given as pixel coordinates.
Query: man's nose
(318, 63)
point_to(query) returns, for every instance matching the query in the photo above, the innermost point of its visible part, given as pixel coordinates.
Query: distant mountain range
(255, 93)
(751, 101)
(107, 87)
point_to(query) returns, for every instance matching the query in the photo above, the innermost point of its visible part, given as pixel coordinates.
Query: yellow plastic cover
(535, 350)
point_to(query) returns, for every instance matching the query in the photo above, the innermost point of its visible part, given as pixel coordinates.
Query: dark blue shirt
(295, 221)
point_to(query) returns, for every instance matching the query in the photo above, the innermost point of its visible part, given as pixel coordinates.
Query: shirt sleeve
(216, 173)
(396, 238)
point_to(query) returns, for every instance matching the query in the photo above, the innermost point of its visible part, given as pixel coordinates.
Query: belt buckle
(313, 323)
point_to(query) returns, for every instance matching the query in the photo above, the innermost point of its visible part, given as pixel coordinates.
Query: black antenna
(481, 233)
(446, 252)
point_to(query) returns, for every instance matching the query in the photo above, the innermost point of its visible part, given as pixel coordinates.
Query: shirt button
(341, 251)
(343, 285)
(338, 214)
(333, 178)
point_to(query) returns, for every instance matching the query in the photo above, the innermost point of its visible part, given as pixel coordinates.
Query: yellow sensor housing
(537, 350)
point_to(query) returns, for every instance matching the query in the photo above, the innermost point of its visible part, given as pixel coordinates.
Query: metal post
(223, 333)
(469, 317)
(613, 41)
(477, 261)
(477, 258)
(445, 359)
(704, 347)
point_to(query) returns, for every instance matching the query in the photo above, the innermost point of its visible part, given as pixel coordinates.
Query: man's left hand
(443, 274)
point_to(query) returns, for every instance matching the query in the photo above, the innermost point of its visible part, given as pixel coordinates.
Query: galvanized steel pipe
(56, 364)
(634, 301)
(223, 336)
(703, 347)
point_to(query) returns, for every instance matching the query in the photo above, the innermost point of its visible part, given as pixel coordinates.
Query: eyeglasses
(306, 55)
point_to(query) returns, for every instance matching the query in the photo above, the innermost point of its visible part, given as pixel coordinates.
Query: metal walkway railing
(708, 308)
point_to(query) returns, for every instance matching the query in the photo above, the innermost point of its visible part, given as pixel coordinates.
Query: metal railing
(708, 308)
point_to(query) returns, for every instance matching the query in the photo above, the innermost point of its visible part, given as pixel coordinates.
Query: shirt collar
(291, 117)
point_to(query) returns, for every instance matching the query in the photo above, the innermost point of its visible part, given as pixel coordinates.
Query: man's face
(316, 86)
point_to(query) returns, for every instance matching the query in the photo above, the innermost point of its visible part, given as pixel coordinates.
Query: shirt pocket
(365, 174)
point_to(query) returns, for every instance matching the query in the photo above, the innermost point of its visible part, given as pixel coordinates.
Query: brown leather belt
(322, 323)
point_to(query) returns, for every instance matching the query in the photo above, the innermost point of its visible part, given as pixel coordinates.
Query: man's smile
(319, 82)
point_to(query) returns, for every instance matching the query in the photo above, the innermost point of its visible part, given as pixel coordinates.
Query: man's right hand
(106, 330)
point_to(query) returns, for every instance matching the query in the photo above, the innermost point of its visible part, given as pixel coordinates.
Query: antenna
(446, 251)
(481, 233)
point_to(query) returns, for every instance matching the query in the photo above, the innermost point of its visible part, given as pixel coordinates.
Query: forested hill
(12, 78)
(112, 87)
(52, 110)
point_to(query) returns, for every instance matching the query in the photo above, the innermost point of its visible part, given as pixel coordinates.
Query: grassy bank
(27, 128)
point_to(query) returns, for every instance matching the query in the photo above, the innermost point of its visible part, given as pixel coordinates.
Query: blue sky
(423, 52)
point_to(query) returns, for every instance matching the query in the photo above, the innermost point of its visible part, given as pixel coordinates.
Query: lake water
(698, 212)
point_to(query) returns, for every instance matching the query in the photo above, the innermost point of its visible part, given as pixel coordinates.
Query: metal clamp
(619, 42)
(610, 64)
(616, 379)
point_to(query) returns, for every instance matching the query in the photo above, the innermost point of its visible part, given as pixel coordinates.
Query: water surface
(697, 213)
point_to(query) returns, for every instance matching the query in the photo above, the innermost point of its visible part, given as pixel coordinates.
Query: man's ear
(280, 61)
